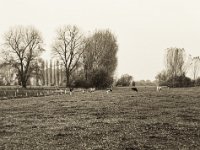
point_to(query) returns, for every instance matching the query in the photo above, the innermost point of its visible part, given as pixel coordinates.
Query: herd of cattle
(158, 89)
(20, 93)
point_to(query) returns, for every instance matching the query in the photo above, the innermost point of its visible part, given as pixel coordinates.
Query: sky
(144, 28)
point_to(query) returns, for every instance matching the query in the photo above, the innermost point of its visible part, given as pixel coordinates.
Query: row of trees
(178, 65)
(127, 80)
(86, 61)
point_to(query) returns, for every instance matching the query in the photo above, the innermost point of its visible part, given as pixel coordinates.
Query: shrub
(197, 82)
(179, 81)
(81, 83)
(133, 83)
(125, 80)
(101, 79)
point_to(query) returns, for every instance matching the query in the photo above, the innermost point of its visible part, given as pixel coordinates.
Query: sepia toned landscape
(123, 119)
(99, 75)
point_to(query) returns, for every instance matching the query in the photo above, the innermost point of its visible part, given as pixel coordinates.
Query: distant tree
(51, 73)
(38, 71)
(68, 46)
(54, 72)
(100, 53)
(47, 72)
(125, 80)
(175, 60)
(195, 67)
(197, 82)
(22, 47)
(133, 83)
(58, 73)
(7, 73)
(145, 83)
(162, 78)
(180, 81)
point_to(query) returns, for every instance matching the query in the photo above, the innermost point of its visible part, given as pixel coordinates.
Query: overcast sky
(144, 28)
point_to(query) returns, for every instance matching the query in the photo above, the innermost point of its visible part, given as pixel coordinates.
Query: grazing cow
(134, 89)
(109, 90)
(70, 91)
(159, 88)
(91, 89)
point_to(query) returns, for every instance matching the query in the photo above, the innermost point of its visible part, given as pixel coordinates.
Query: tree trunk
(67, 78)
(57, 73)
(23, 82)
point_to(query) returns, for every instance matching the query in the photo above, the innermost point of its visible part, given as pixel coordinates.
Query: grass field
(121, 120)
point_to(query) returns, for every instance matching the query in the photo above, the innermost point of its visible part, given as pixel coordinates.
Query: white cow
(159, 88)
(92, 89)
(109, 90)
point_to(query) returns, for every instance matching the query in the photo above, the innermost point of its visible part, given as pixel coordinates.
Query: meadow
(120, 120)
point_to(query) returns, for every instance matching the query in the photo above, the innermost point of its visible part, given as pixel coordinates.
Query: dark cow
(71, 90)
(134, 89)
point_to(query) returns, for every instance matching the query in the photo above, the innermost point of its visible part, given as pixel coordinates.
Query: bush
(125, 80)
(101, 79)
(179, 81)
(133, 83)
(81, 83)
(197, 82)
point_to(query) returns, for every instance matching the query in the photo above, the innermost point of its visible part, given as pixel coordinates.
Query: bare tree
(187, 64)
(175, 59)
(22, 47)
(68, 46)
(195, 67)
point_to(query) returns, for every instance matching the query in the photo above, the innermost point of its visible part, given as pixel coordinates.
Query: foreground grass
(122, 120)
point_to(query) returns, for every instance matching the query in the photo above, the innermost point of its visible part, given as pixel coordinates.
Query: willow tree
(68, 47)
(100, 53)
(22, 47)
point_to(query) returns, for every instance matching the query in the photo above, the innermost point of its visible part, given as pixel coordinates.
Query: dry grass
(123, 120)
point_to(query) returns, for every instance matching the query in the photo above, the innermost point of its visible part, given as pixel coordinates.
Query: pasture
(120, 120)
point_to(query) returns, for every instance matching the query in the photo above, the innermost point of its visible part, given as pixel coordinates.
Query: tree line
(177, 66)
(86, 61)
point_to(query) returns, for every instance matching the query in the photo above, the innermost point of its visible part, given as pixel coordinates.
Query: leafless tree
(175, 59)
(195, 67)
(68, 46)
(22, 47)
